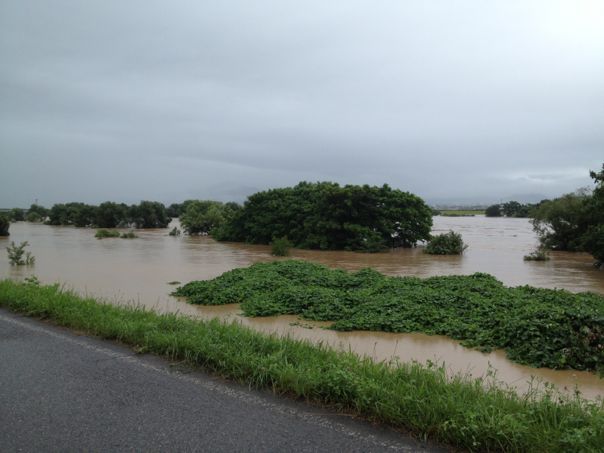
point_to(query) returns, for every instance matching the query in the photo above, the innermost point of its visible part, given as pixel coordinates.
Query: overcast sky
(169, 100)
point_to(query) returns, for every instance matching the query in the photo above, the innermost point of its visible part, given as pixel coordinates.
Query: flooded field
(138, 270)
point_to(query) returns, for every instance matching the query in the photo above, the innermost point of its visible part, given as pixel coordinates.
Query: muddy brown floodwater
(138, 270)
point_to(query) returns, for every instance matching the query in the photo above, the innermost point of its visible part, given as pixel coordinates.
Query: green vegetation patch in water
(102, 234)
(539, 327)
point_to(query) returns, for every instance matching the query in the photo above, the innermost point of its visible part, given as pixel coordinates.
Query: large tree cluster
(146, 214)
(328, 216)
(574, 222)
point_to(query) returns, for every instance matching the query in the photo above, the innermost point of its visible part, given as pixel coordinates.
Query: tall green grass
(456, 410)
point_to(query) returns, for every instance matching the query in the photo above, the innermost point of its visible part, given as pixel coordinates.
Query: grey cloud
(148, 99)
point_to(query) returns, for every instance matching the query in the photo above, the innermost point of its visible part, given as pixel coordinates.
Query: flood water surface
(139, 270)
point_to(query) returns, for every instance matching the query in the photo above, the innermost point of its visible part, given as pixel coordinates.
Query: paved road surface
(60, 391)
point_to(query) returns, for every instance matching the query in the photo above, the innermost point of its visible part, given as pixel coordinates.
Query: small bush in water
(101, 234)
(539, 254)
(18, 256)
(280, 247)
(129, 235)
(174, 232)
(450, 243)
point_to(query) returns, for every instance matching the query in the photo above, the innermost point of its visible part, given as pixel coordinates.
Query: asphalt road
(64, 392)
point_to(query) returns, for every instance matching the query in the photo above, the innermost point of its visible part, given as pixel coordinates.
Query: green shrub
(33, 217)
(4, 225)
(18, 256)
(129, 235)
(450, 243)
(31, 280)
(280, 247)
(174, 232)
(101, 234)
(17, 215)
(539, 254)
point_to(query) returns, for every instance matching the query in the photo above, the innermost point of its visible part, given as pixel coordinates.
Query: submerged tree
(562, 222)
(36, 213)
(327, 216)
(110, 214)
(4, 225)
(18, 256)
(206, 216)
(17, 215)
(493, 211)
(574, 222)
(149, 214)
(593, 239)
(74, 213)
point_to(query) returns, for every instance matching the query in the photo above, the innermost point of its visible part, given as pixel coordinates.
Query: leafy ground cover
(466, 413)
(540, 327)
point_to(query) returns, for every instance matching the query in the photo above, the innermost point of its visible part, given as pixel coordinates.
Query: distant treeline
(35, 213)
(146, 214)
(320, 215)
(512, 209)
(197, 216)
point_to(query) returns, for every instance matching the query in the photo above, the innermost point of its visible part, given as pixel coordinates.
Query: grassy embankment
(540, 327)
(455, 410)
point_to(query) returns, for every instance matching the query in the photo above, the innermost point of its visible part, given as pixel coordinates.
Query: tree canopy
(493, 211)
(147, 214)
(206, 216)
(36, 213)
(17, 215)
(110, 214)
(575, 221)
(327, 216)
(593, 239)
(4, 225)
